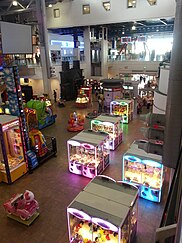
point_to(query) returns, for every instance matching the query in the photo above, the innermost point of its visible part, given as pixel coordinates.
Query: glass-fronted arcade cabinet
(144, 170)
(123, 108)
(105, 211)
(12, 158)
(88, 154)
(111, 125)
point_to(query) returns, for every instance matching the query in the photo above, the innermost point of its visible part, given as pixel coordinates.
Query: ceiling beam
(31, 1)
(163, 22)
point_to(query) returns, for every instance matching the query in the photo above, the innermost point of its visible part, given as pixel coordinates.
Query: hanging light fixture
(15, 3)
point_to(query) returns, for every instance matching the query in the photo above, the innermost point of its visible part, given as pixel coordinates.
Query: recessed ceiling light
(50, 5)
(15, 3)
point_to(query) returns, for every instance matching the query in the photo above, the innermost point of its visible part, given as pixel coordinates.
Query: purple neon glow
(74, 143)
(87, 146)
(79, 214)
(104, 224)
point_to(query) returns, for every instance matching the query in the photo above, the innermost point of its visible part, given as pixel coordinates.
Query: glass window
(107, 5)
(152, 2)
(131, 4)
(56, 13)
(86, 9)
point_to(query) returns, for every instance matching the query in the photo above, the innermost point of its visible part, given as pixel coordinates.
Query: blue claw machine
(144, 170)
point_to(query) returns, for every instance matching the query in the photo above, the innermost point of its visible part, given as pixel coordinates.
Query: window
(131, 3)
(56, 12)
(86, 9)
(107, 5)
(152, 2)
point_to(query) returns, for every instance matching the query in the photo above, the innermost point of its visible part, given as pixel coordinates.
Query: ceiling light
(122, 32)
(133, 27)
(15, 3)
(50, 5)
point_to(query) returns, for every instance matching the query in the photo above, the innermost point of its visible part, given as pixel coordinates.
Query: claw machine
(144, 170)
(104, 211)
(12, 158)
(123, 108)
(88, 154)
(111, 125)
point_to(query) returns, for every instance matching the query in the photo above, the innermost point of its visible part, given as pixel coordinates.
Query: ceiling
(117, 30)
(6, 7)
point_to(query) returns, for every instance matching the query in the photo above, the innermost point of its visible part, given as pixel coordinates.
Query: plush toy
(28, 196)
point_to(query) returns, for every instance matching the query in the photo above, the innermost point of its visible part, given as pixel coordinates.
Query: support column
(173, 130)
(114, 44)
(104, 53)
(76, 51)
(87, 73)
(44, 49)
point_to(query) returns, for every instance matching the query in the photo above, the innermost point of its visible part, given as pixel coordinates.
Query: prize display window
(88, 154)
(12, 159)
(123, 108)
(110, 125)
(88, 92)
(145, 170)
(82, 99)
(105, 211)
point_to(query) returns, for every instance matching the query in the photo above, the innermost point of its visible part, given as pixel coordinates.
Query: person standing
(100, 104)
(55, 95)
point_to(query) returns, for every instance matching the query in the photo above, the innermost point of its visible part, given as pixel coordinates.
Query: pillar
(76, 51)
(173, 130)
(104, 53)
(114, 43)
(44, 49)
(87, 72)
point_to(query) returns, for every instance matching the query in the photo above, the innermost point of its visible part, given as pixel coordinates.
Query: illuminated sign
(10, 125)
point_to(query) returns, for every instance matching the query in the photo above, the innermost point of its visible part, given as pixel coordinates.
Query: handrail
(164, 233)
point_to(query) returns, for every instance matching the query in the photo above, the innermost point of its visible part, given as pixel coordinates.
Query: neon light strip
(104, 224)
(79, 214)
(10, 125)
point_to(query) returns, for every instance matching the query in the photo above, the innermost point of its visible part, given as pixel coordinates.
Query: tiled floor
(54, 188)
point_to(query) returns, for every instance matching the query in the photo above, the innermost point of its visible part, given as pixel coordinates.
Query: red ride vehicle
(22, 205)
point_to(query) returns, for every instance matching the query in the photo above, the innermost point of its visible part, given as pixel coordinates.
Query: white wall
(164, 80)
(116, 68)
(71, 12)
(37, 86)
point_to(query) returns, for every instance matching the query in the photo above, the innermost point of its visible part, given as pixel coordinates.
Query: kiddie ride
(92, 115)
(44, 147)
(40, 113)
(75, 122)
(22, 207)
